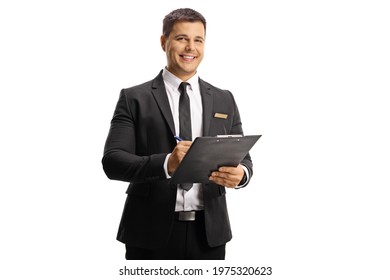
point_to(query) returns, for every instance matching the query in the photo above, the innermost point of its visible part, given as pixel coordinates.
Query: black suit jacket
(140, 137)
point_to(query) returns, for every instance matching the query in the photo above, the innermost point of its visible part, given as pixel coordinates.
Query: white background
(311, 76)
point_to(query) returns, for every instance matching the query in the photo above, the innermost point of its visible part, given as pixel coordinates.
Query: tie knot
(183, 87)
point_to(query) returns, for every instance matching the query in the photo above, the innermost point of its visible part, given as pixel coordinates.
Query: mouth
(188, 58)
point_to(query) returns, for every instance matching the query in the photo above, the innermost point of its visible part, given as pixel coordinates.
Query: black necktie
(184, 113)
(185, 120)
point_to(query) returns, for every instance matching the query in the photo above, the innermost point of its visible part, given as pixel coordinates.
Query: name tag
(220, 116)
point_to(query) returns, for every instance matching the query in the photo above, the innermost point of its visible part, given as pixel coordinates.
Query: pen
(178, 138)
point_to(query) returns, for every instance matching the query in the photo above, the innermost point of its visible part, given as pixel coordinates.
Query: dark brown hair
(184, 14)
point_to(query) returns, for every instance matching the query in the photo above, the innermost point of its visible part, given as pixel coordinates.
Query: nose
(190, 45)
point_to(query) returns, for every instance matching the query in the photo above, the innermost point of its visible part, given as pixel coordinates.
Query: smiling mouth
(188, 57)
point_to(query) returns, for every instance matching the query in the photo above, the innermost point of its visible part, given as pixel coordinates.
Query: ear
(162, 41)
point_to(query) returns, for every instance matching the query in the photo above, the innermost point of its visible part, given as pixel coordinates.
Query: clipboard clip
(231, 135)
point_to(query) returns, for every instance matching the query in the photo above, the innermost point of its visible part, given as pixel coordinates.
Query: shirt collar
(175, 82)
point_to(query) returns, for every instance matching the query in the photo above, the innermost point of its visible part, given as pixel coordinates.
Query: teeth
(188, 57)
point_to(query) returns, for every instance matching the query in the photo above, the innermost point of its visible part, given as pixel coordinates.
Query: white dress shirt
(192, 199)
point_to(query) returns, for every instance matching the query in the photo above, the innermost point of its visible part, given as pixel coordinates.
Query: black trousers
(187, 242)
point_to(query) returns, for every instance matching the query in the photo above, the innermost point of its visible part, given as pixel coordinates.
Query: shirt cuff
(166, 166)
(246, 179)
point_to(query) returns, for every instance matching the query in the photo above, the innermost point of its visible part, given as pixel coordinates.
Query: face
(184, 48)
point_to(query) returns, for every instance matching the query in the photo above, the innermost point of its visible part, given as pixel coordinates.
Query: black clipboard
(207, 154)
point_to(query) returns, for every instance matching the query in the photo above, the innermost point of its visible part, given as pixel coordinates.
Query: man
(162, 220)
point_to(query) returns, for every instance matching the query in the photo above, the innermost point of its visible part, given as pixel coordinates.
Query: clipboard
(207, 154)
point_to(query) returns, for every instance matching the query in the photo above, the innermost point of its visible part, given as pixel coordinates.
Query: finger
(223, 179)
(184, 144)
(229, 169)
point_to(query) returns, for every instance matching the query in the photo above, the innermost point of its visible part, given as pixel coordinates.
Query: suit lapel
(207, 102)
(160, 95)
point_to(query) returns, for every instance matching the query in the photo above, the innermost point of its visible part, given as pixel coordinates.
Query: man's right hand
(177, 155)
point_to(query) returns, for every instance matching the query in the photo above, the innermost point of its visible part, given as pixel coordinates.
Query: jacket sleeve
(237, 129)
(120, 160)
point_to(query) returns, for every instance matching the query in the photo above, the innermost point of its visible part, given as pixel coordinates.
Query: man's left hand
(228, 176)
